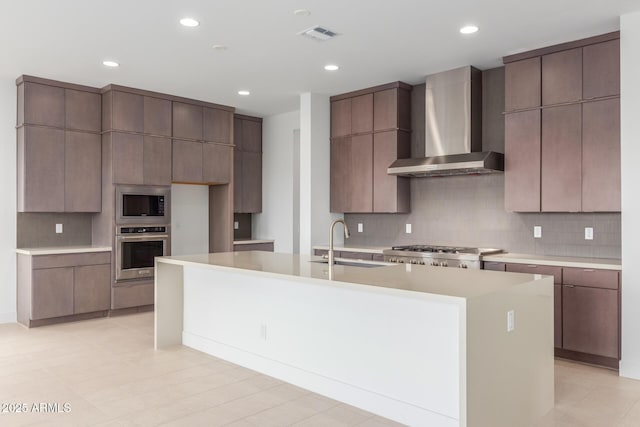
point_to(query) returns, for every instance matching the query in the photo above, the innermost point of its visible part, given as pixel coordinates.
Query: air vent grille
(318, 33)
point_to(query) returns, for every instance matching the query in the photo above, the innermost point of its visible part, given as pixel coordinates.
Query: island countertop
(447, 282)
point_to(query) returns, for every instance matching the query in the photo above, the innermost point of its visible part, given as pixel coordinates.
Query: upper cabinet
(247, 154)
(370, 128)
(59, 147)
(570, 147)
(187, 121)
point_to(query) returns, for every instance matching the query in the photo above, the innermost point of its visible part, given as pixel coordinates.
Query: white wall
(8, 196)
(276, 220)
(630, 134)
(315, 157)
(189, 219)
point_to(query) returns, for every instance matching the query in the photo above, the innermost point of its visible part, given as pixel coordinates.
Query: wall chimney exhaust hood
(453, 139)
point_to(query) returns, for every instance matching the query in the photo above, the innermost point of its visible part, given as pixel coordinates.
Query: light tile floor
(108, 373)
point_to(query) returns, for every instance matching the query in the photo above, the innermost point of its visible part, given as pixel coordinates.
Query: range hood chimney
(453, 122)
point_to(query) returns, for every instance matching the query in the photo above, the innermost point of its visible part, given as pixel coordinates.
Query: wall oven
(143, 204)
(136, 248)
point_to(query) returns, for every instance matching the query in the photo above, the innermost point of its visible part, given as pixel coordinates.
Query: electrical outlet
(537, 232)
(588, 233)
(236, 225)
(511, 321)
(58, 228)
(263, 331)
(407, 228)
(360, 227)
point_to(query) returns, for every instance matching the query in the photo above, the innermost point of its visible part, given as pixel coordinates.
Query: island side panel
(168, 299)
(394, 355)
(510, 375)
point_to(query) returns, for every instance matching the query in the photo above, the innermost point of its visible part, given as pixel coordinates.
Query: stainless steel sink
(350, 264)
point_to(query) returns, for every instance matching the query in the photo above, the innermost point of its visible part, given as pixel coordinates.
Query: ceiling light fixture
(301, 12)
(469, 29)
(331, 67)
(219, 47)
(244, 92)
(189, 22)
(111, 64)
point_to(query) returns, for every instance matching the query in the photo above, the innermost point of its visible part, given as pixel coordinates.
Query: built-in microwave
(143, 204)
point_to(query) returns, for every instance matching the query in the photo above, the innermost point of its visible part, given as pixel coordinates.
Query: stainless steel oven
(143, 204)
(136, 248)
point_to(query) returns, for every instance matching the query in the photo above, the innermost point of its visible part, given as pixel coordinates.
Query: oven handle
(143, 237)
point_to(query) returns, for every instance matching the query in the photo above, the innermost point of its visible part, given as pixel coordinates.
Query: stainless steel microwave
(143, 204)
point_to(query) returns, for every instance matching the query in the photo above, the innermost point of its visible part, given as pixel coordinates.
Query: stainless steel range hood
(453, 122)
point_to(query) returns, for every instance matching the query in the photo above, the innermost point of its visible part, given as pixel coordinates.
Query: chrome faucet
(346, 235)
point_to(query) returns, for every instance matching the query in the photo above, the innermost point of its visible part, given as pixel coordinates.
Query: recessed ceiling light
(111, 64)
(244, 92)
(331, 67)
(469, 29)
(189, 22)
(219, 47)
(301, 12)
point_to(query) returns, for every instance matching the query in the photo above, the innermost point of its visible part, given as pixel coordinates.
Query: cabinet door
(92, 288)
(340, 164)
(390, 193)
(561, 168)
(40, 169)
(590, 320)
(128, 111)
(237, 133)
(557, 316)
(252, 182)
(187, 161)
(362, 113)
(157, 116)
(562, 77)
(187, 121)
(127, 158)
(341, 117)
(601, 72)
(217, 125)
(601, 156)
(522, 161)
(43, 105)
(494, 266)
(52, 293)
(360, 174)
(216, 163)
(522, 84)
(157, 161)
(385, 110)
(83, 172)
(237, 181)
(83, 110)
(252, 136)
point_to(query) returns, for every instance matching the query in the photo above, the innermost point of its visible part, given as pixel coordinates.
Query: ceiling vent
(318, 33)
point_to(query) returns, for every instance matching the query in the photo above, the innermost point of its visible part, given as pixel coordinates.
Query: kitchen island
(424, 346)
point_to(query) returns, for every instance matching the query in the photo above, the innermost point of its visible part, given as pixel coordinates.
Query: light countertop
(447, 282)
(251, 241)
(363, 249)
(578, 262)
(56, 250)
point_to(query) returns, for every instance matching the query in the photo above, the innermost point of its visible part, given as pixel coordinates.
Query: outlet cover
(588, 233)
(537, 232)
(360, 227)
(407, 228)
(58, 228)
(236, 225)
(511, 321)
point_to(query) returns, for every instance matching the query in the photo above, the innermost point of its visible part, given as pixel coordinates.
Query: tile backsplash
(469, 211)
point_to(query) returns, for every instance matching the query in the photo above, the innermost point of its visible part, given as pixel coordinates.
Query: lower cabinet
(264, 246)
(54, 286)
(131, 295)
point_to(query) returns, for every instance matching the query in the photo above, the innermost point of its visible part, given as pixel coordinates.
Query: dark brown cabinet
(91, 288)
(562, 77)
(127, 154)
(157, 116)
(561, 165)
(601, 156)
(217, 125)
(262, 246)
(83, 110)
(522, 84)
(82, 172)
(52, 293)
(40, 104)
(247, 164)
(370, 130)
(187, 161)
(127, 112)
(156, 160)
(522, 163)
(216, 163)
(601, 72)
(187, 121)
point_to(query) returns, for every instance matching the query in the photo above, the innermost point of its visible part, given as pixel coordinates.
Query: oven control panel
(137, 230)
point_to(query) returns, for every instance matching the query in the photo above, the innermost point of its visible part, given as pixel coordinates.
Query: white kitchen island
(425, 346)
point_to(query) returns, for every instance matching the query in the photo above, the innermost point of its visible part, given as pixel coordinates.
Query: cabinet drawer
(378, 257)
(357, 255)
(546, 270)
(132, 296)
(606, 279)
(494, 266)
(71, 260)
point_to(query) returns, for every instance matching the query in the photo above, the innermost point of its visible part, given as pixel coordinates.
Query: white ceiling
(379, 42)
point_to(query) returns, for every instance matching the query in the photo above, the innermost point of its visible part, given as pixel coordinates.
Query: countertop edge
(363, 249)
(252, 242)
(605, 264)
(63, 250)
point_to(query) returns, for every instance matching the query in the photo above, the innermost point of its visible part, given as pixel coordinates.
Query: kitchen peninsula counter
(417, 344)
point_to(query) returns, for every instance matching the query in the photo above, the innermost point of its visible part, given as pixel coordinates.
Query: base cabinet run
(53, 287)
